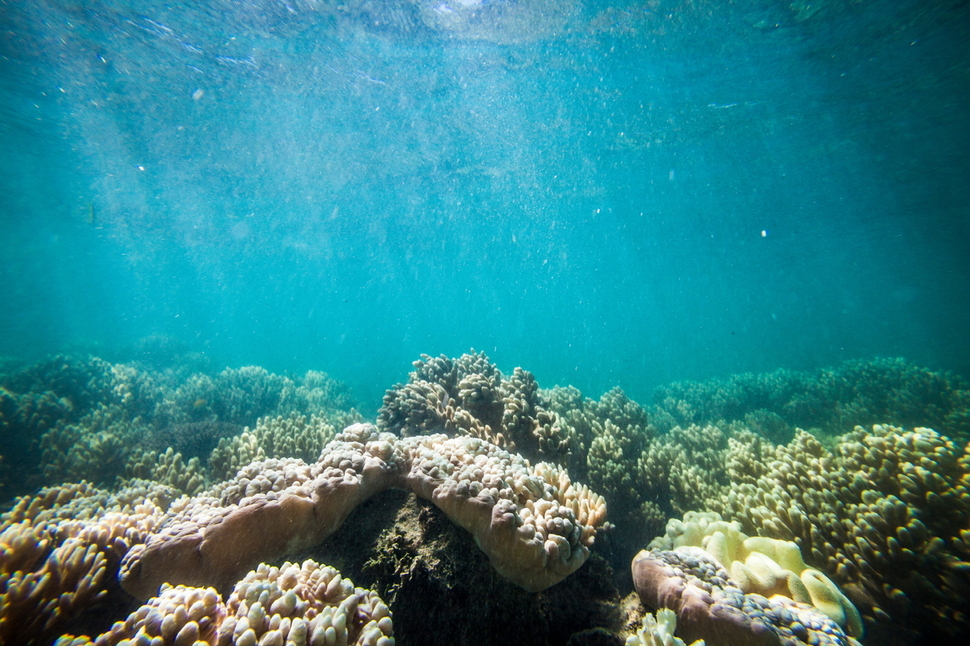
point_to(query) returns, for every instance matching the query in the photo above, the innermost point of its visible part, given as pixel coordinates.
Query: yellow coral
(761, 565)
(58, 552)
(658, 630)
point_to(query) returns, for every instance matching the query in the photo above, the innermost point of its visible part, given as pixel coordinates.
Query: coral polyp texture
(882, 516)
(60, 550)
(709, 604)
(758, 565)
(534, 525)
(309, 604)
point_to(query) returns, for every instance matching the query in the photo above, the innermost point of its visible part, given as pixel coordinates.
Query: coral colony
(170, 507)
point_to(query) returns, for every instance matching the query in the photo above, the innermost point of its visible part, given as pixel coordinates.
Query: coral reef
(96, 448)
(82, 418)
(171, 469)
(760, 565)
(293, 604)
(596, 441)
(710, 606)
(878, 516)
(60, 550)
(832, 399)
(50, 591)
(534, 525)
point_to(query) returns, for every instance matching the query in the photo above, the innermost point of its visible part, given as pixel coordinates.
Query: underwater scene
(472, 322)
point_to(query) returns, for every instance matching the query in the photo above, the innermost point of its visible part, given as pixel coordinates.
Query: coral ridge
(535, 526)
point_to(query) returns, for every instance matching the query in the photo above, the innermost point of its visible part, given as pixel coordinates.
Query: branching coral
(294, 436)
(70, 418)
(59, 552)
(882, 512)
(877, 516)
(23, 419)
(96, 448)
(273, 437)
(684, 468)
(470, 396)
(832, 399)
(607, 437)
(191, 439)
(167, 468)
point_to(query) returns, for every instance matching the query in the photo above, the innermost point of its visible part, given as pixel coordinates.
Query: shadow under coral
(442, 590)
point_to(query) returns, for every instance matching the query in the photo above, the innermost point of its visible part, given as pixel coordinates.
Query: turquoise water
(606, 194)
(751, 214)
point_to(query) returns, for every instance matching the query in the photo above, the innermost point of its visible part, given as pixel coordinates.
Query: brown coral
(210, 543)
(470, 396)
(59, 551)
(877, 516)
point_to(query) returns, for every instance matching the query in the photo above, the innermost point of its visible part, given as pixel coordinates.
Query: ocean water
(605, 193)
